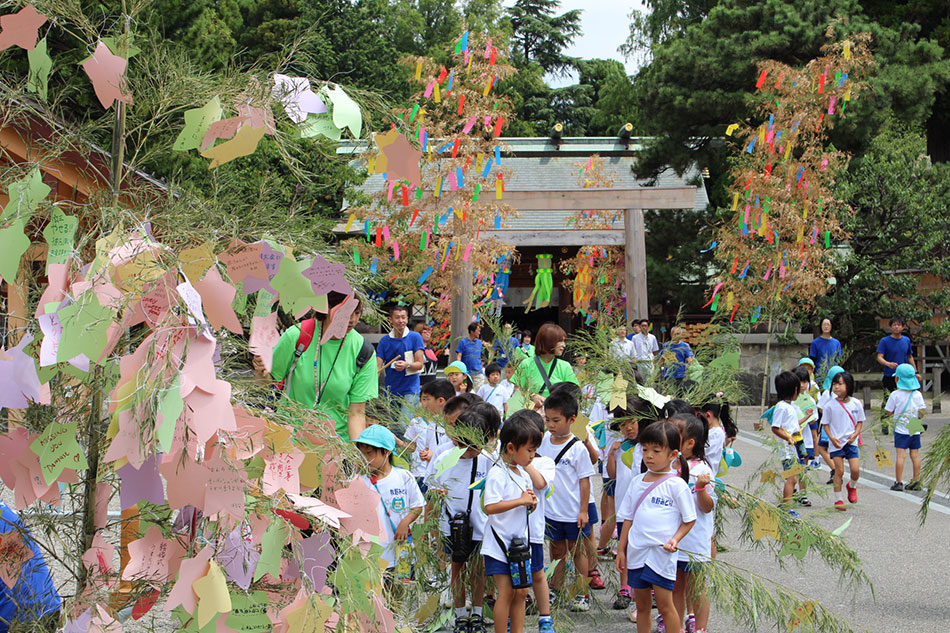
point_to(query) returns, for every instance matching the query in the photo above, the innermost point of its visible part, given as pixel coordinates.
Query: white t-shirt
(662, 512)
(645, 345)
(496, 396)
(504, 484)
(625, 475)
(418, 432)
(824, 399)
(785, 417)
(622, 349)
(545, 466)
(438, 442)
(699, 538)
(836, 420)
(456, 481)
(399, 493)
(904, 405)
(715, 444)
(565, 501)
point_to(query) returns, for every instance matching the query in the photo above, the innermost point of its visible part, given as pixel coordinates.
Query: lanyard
(372, 480)
(316, 372)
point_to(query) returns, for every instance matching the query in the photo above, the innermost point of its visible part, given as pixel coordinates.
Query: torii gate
(631, 202)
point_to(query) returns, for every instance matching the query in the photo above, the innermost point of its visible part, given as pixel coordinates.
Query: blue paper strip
(487, 168)
(425, 275)
(706, 250)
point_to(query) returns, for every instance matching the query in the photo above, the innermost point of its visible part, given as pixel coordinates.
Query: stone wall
(782, 356)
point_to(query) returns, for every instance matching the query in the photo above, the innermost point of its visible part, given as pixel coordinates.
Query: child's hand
(582, 519)
(402, 531)
(425, 455)
(671, 545)
(703, 480)
(622, 563)
(616, 445)
(834, 442)
(851, 438)
(809, 411)
(528, 498)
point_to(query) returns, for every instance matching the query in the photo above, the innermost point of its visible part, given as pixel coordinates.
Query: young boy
(508, 500)
(476, 430)
(906, 405)
(566, 512)
(785, 426)
(807, 410)
(429, 436)
(401, 501)
(493, 392)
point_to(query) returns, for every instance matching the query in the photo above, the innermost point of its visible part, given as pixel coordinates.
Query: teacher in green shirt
(337, 377)
(536, 374)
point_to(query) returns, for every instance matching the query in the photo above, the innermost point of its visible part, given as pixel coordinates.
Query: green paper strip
(415, 110)
(827, 239)
(715, 303)
(356, 257)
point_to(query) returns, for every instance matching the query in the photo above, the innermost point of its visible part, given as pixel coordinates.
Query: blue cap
(906, 377)
(807, 361)
(834, 371)
(456, 366)
(379, 436)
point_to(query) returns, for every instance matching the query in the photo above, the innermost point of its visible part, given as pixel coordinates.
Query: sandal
(595, 580)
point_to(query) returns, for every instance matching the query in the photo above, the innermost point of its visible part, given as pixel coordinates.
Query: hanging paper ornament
(543, 283)
(502, 279)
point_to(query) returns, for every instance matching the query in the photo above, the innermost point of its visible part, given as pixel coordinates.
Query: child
(823, 401)
(566, 512)
(475, 429)
(785, 426)
(662, 507)
(401, 500)
(722, 431)
(430, 437)
(807, 412)
(457, 374)
(622, 476)
(493, 392)
(508, 499)
(541, 470)
(906, 405)
(843, 419)
(699, 539)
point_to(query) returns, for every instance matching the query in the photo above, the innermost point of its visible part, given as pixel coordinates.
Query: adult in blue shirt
(33, 604)
(893, 350)
(676, 355)
(402, 375)
(469, 351)
(825, 350)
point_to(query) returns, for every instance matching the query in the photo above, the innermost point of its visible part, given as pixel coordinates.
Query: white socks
(477, 611)
(461, 612)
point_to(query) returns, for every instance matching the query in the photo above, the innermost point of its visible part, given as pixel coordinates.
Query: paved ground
(906, 562)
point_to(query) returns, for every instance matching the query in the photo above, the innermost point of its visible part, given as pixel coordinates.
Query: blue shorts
(592, 517)
(564, 530)
(823, 439)
(610, 487)
(646, 578)
(495, 567)
(421, 482)
(848, 451)
(902, 440)
(688, 566)
(537, 557)
(810, 453)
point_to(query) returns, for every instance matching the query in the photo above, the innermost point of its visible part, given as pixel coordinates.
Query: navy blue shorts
(848, 451)
(537, 557)
(902, 440)
(564, 530)
(810, 453)
(421, 481)
(592, 517)
(495, 567)
(688, 566)
(610, 487)
(646, 578)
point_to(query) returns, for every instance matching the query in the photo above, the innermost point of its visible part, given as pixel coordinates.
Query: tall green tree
(540, 36)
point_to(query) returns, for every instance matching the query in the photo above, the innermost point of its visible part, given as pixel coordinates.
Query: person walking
(401, 353)
(825, 349)
(893, 350)
(469, 351)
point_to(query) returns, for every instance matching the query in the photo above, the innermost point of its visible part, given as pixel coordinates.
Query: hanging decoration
(543, 283)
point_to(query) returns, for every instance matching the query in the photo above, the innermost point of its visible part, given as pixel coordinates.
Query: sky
(605, 27)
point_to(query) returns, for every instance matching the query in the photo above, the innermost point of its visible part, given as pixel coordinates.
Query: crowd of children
(521, 478)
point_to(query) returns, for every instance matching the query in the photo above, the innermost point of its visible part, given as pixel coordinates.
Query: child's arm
(831, 438)
(622, 549)
(537, 479)
(582, 518)
(857, 431)
(782, 434)
(402, 530)
(591, 450)
(612, 459)
(683, 530)
(703, 500)
(527, 498)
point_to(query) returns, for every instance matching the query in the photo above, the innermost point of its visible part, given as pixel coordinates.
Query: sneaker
(899, 487)
(461, 625)
(831, 478)
(623, 599)
(596, 582)
(792, 514)
(852, 494)
(632, 613)
(476, 624)
(690, 623)
(805, 501)
(913, 485)
(581, 604)
(660, 625)
(554, 597)
(546, 625)
(839, 505)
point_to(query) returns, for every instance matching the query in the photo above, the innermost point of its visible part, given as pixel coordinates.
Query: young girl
(906, 405)
(509, 498)
(401, 501)
(722, 432)
(661, 505)
(824, 400)
(843, 417)
(693, 439)
(457, 374)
